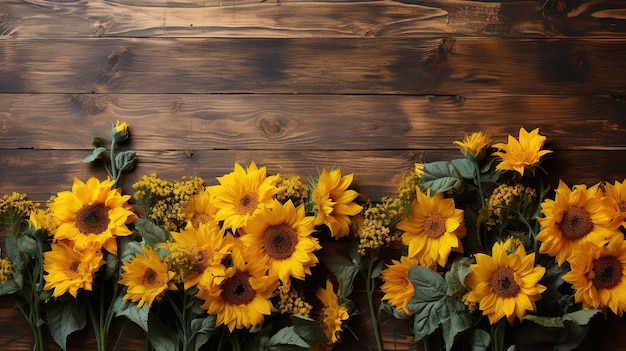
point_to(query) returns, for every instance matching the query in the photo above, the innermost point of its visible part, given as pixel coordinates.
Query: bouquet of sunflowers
(491, 256)
(196, 266)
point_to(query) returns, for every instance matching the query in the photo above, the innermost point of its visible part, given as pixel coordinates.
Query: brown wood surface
(368, 86)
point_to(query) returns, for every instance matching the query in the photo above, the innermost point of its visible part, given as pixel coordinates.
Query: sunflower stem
(479, 184)
(113, 173)
(369, 283)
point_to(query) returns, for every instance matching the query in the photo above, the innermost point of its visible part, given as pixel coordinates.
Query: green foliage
(65, 316)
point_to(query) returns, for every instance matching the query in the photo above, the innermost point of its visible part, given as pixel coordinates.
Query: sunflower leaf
(479, 340)
(125, 160)
(440, 176)
(151, 233)
(98, 153)
(9, 287)
(65, 316)
(202, 329)
(161, 337)
(287, 339)
(309, 330)
(344, 270)
(131, 311)
(465, 167)
(15, 256)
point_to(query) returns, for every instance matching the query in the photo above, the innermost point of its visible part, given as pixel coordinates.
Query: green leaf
(152, 234)
(287, 339)
(98, 153)
(309, 330)
(131, 311)
(202, 329)
(9, 287)
(124, 161)
(128, 251)
(440, 176)
(479, 340)
(15, 256)
(28, 245)
(344, 270)
(456, 276)
(550, 322)
(581, 317)
(429, 286)
(111, 266)
(65, 316)
(161, 338)
(465, 167)
(457, 321)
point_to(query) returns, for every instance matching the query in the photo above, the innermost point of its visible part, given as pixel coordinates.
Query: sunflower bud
(474, 145)
(119, 132)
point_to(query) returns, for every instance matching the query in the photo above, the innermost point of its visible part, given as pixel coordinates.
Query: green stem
(113, 174)
(369, 286)
(235, 341)
(497, 335)
(479, 184)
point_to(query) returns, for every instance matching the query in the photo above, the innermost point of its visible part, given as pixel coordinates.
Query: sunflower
(334, 202)
(92, 212)
(146, 277)
(70, 268)
(200, 209)
(281, 239)
(396, 284)
(240, 299)
(433, 229)
(242, 194)
(505, 285)
(573, 216)
(598, 274)
(615, 200)
(333, 314)
(473, 145)
(520, 155)
(197, 253)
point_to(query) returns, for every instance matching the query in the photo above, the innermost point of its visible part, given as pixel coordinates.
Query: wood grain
(306, 122)
(302, 19)
(448, 66)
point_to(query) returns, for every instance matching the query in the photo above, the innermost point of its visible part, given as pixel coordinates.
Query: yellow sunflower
(474, 145)
(505, 285)
(92, 212)
(281, 239)
(334, 202)
(146, 277)
(200, 209)
(240, 299)
(598, 274)
(523, 154)
(197, 253)
(573, 216)
(615, 200)
(396, 285)
(333, 315)
(433, 229)
(70, 268)
(242, 194)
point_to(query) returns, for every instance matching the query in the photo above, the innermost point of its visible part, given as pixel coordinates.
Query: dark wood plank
(305, 122)
(446, 66)
(42, 173)
(252, 18)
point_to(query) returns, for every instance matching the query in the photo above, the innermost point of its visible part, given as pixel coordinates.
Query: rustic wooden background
(369, 86)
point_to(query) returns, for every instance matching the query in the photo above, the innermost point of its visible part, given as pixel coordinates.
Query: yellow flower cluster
(292, 188)
(165, 199)
(408, 183)
(180, 260)
(290, 302)
(17, 202)
(374, 230)
(6, 271)
(506, 200)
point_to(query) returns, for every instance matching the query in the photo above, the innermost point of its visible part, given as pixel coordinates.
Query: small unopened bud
(119, 132)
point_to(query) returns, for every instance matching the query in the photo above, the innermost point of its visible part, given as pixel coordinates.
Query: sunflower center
(435, 225)
(200, 218)
(73, 268)
(576, 223)
(279, 241)
(247, 203)
(237, 289)
(608, 272)
(92, 219)
(622, 206)
(150, 277)
(503, 282)
(203, 260)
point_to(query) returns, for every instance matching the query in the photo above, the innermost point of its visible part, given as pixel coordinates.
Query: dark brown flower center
(503, 282)
(247, 203)
(279, 241)
(203, 260)
(200, 218)
(622, 206)
(237, 289)
(150, 277)
(435, 225)
(608, 272)
(92, 219)
(576, 223)
(74, 266)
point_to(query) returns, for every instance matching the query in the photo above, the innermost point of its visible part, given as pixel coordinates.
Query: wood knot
(446, 46)
(555, 8)
(272, 127)
(89, 104)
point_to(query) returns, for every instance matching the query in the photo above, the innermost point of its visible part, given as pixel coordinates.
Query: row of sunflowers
(485, 254)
